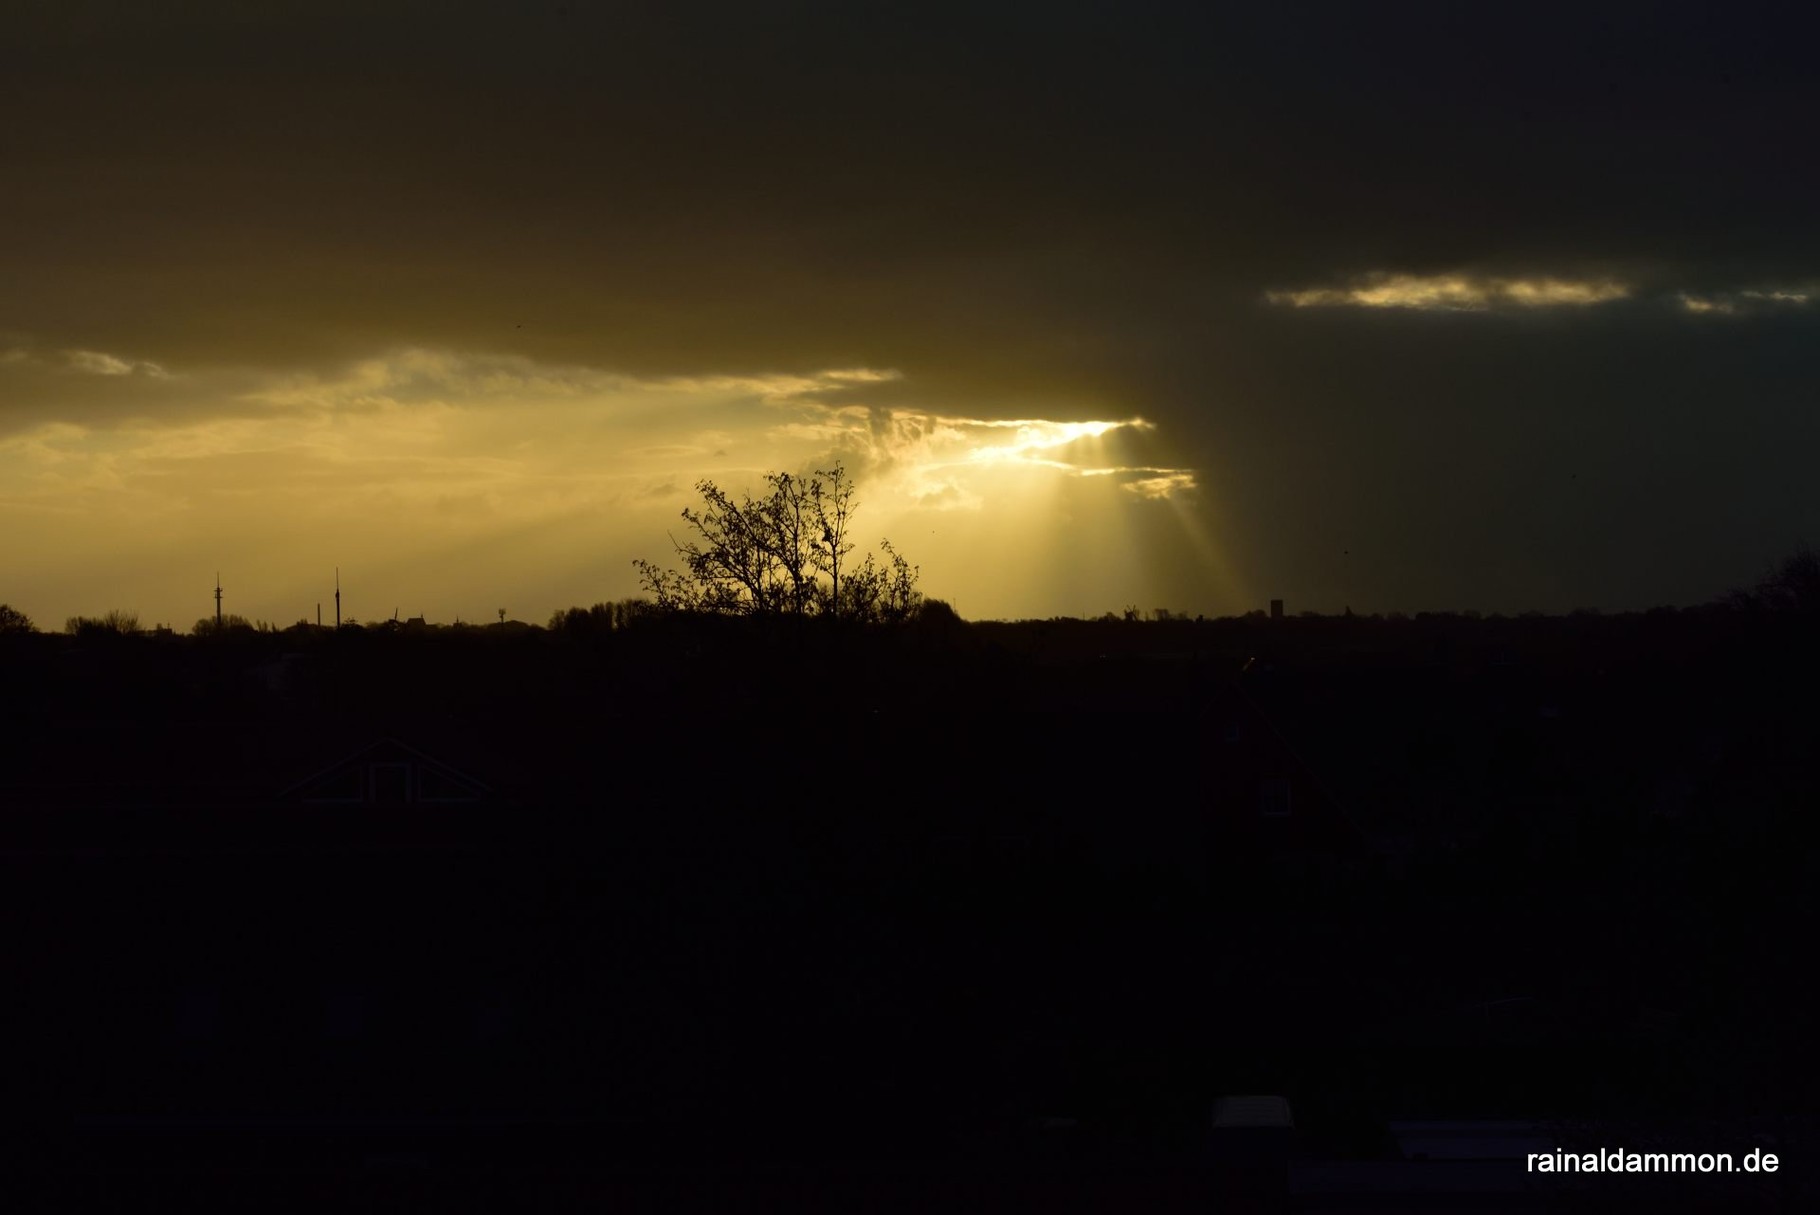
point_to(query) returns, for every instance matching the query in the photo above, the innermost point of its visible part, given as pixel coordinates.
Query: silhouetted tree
(1794, 585)
(601, 618)
(629, 612)
(784, 554)
(938, 612)
(114, 623)
(582, 622)
(229, 624)
(12, 620)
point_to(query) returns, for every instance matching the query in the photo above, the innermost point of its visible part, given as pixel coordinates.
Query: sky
(1393, 307)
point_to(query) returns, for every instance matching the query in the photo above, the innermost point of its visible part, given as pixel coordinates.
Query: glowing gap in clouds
(941, 460)
(1047, 516)
(1033, 439)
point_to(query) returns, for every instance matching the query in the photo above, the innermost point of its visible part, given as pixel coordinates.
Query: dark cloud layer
(1072, 208)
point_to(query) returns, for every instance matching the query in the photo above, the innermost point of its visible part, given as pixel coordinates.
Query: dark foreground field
(993, 918)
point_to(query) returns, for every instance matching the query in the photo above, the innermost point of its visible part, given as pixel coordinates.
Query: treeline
(602, 617)
(1790, 589)
(630, 614)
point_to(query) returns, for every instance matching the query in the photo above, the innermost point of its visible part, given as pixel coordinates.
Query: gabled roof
(1268, 1111)
(1245, 749)
(387, 772)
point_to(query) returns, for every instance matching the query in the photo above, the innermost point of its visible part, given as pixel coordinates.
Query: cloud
(1157, 488)
(563, 470)
(1066, 219)
(925, 445)
(1700, 305)
(1750, 301)
(1780, 297)
(941, 462)
(1472, 293)
(417, 375)
(946, 495)
(1148, 483)
(95, 362)
(1455, 293)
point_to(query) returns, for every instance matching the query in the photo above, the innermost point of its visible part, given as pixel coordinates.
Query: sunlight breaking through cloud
(937, 450)
(1035, 437)
(443, 473)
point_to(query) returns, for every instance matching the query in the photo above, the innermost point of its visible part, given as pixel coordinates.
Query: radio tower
(217, 603)
(338, 599)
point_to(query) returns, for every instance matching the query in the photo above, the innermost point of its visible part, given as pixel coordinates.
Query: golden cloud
(413, 464)
(95, 362)
(1748, 301)
(1168, 485)
(1455, 293)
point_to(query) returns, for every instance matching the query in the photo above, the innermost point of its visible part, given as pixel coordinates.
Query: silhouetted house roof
(1264, 791)
(1472, 1139)
(1273, 1112)
(1185, 790)
(386, 773)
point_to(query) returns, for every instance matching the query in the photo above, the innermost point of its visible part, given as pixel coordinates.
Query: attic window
(391, 783)
(494, 1018)
(349, 1011)
(199, 1014)
(1273, 798)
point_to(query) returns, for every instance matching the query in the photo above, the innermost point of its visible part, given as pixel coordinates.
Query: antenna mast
(338, 599)
(217, 603)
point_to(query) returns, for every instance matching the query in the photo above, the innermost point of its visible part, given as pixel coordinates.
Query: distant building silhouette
(386, 773)
(1276, 609)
